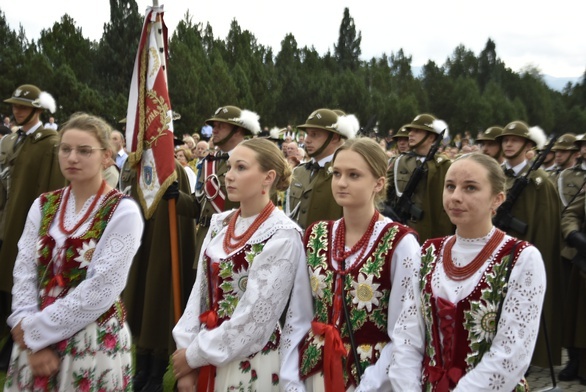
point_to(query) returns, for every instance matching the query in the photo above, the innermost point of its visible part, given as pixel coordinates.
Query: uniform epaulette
(439, 158)
(42, 133)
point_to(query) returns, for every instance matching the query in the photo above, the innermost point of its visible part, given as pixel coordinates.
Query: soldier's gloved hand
(172, 191)
(577, 239)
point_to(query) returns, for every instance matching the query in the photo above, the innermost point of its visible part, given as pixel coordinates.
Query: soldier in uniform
(434, 222)
(309, 197)
(148, 295)
(401, 139)
(231, 125)
(574, 336)
(570, 187)
(565, 154)
(488, 144)
(538, 206)
(31, 168)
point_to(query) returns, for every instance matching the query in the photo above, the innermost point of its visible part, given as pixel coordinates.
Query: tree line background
(469, 91)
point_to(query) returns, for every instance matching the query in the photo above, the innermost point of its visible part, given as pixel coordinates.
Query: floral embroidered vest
(468, 327)
(367, 286)
(76, 252)
(228, 280)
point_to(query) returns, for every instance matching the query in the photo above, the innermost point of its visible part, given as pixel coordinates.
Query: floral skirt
(315, 383)
(259, 373)
(97, 358)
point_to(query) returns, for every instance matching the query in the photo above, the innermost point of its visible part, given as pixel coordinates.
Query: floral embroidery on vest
(367, 288)
(231, 286)
(477, 315)
(76, 252)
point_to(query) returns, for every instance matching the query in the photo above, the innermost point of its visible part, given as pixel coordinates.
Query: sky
(546, 35)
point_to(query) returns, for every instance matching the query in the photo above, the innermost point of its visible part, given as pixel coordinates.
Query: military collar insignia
(38, 136)
(538, 180)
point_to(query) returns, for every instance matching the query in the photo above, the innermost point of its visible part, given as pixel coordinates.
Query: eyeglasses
(82, 151)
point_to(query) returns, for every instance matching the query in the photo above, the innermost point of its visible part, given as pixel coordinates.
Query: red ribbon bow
(334, 350)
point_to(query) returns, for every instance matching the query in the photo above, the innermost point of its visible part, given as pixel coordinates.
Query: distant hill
(554, 83)
(558, 84)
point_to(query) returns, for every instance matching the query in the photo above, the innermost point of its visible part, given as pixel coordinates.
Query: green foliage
(469, 91)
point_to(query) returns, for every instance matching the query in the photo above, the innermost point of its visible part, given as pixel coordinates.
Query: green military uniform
(403, 132)
(211, 177)
(566, 142)
(434, 222)
(539, 207)
(428, 194)
(310, 199)
(33, 169)
(574, 334)
(148, 295)
(201, 206)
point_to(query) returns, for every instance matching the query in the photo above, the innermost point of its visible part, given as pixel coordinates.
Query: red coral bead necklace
(340, 253)
(233, 241)
(67, 192)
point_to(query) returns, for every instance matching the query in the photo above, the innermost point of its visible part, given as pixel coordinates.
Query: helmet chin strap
(224, 140)
(27, 119)
(518, 152)
(566, 160)
(323, 146)
(419, 143)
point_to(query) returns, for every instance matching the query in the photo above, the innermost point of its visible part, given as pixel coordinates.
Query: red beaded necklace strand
(233, 241)
(462, 273)
(340, 254)
(84, 217)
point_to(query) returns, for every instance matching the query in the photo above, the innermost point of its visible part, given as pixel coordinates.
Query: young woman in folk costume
(228, 337)
(471, 319)
(74, 255)
(363, 261)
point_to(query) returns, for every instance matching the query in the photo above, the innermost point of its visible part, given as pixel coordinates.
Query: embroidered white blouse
(503, 366)
(258, 311)
(105, 279)
(405, 264)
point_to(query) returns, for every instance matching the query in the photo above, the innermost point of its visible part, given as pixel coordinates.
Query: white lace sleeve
(404, 268)
(298, 322)
(105, 280)
(510, 354)
(24, 291)
(269, 284)
(408, 339)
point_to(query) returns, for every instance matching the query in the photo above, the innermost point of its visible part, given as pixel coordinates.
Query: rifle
(365, 130)
(404, 208)
(504, 218)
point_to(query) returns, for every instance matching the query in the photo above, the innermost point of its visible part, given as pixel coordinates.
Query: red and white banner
(149, 122)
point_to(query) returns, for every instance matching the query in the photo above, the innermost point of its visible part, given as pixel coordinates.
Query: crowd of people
(311, 258)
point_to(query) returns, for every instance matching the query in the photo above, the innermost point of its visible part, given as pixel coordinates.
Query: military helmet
(427, 122)
(32, 96)
(325, 119)
(402, 132)
(344, 125)
(516, 128)
(521, 129)
(580, 139)
(566, 142)
(490, 134)
(243, 118)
